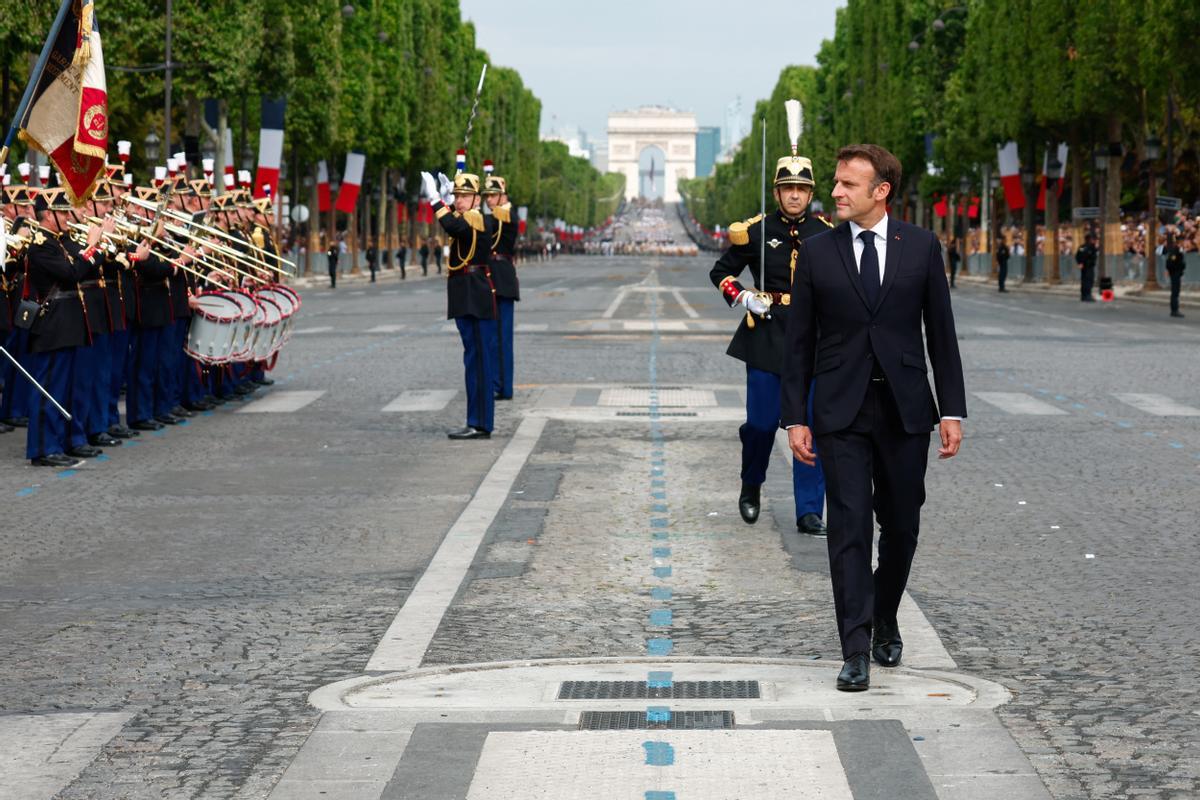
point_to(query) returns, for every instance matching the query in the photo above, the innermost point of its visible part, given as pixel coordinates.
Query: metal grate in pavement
(657, 414)
(636, 720)
(640, 690)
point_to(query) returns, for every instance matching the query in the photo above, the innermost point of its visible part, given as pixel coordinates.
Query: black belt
(468, 268)
(89, 284)
(62, 294)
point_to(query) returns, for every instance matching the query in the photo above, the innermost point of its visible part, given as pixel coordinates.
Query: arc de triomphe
(673, 132)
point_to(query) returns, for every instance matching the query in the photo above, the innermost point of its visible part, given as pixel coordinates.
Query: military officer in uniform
(1085, 259)
(18, 207)
(759, 340)
(471, 296)
(503, 233)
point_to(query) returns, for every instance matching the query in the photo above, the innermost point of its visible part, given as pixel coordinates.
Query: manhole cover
(640, 690)
(666, 398)
(657, 414)
(636, 720)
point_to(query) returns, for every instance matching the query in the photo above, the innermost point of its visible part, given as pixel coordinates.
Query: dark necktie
(868, 268)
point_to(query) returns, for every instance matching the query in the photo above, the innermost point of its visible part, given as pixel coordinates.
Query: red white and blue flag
(323, 199)
(270, 146)
(352, 177)
(68, 110)
(1010, 175)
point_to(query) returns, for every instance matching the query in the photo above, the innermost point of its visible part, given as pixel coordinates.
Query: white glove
(446, 186)
(429, 189)
(752, 303)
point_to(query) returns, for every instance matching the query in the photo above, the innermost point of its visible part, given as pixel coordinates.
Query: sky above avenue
(585, 59)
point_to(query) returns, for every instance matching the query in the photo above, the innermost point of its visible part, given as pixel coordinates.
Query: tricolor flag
(941, 206)
(229, 167)
(522, 219)
(1010, 176)
(67, 113)
(323, 199)
(270, 145)
(352, 176)
(1062, 159)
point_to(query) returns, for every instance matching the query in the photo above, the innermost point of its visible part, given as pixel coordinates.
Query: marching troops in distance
(97, 300)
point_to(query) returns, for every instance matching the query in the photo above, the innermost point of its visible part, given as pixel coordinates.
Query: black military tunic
(503, 232)
(761, 344)
(153, 292)
(56, 266)
(469, 288)
(95, 297)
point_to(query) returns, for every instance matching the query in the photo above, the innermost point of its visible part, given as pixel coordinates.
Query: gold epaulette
(503, 213)
(828, 224)
(739, 232)
(474, 219)
(258, 238)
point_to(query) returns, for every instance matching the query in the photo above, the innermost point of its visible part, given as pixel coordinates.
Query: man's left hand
(951, 432)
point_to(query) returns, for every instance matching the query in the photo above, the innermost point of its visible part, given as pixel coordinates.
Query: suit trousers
(14, 402)
(479, 364)
(1176, 285)
(48, 430)
(873, 464)
(1087, 277)
(504, 346)
(758, 442)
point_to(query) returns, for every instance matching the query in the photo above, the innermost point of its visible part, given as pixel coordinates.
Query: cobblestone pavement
(207, 580)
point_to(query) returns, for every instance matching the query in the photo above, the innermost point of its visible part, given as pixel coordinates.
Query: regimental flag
(323, 199)
(352, 177)
(270, 146)
(68, 109)
(424, 211)
(1010, 176)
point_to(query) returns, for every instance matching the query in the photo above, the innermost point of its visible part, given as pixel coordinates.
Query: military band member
(17, 208)
(471, 297)
(149, 336)
(504, 275)
(92, 380)
(759, 341)
(122, 300)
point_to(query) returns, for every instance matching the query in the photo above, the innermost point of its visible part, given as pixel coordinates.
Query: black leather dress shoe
(750, 502)
(469, 433)
(147, 425)
(812, 524)
(104, 440)
(886, 644)
(56, 460)
(503, 397)
(181, 412)
(245, 389)
(85, 451)
(856, 674)
(168, 419)
(1177, 315)
(213, 400)
(6, 428)
(121, 432)
(16, 422)
(197, 407)
(264, 381)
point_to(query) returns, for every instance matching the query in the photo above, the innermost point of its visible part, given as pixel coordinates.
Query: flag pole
(34, 77)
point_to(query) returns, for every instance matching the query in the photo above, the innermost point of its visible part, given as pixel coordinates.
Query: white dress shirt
(880, 231)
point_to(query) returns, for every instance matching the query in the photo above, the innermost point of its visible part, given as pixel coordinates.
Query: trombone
(128, 237)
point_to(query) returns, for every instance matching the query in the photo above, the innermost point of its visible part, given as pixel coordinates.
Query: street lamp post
(1027, 181)
(1054, 173)
(150, 145)
(993, 186)
(1153, 150)
(1100, 166)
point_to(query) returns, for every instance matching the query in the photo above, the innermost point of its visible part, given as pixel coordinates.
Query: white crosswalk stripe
(387, 328)
(531, 327)
(306, 331)
(1061, 333)
(282, 402)
(1157, 404)
(421, 400)
(1019, 403)
(987, 330)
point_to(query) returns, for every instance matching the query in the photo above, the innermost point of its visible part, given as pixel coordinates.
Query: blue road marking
(659, 714)
(662, 572)
(1078, 405)
(66, 473)
(660, 617)
(1124, 424)
(661, 552)
(660, 680)
(658, 483)
(28, 490)
(658, 592)
(103, 457)
(660, 796)
(1100, 414)
(659, 646)
(659, 754)
(658, 522)
(659, 495)
(131, 443)
(1149, 434)
(1059, 397)
(1176, 445)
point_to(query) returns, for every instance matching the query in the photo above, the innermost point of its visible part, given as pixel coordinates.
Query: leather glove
(429, 187)
(446, 187)
(752, 303)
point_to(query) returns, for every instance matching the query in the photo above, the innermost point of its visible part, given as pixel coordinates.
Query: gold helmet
(466, 183)
(494, 184)
(794, 169)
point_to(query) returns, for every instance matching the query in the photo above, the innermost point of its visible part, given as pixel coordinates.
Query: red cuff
(730, 288)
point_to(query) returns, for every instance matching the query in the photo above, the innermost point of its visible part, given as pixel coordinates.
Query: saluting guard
(471, 296)
(768, 246)
(503, 233)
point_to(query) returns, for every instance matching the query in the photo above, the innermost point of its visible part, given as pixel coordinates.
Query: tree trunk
(381, 226)
(222, 131)
(1114, 243)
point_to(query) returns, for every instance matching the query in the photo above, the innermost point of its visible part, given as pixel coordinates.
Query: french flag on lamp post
(352, 176)
(270, 145)
(323, 198)
(1010, 176)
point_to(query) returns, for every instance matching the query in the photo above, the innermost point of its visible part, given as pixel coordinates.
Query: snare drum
(213, 329)
(267, 321)
(244, 337)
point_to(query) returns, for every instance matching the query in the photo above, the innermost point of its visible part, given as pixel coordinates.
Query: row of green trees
(941, 83)
(393, 79)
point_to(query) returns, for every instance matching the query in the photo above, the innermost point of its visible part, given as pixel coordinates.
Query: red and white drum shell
(287, 309)
(214, 326)
(268, 322)
(244, 339)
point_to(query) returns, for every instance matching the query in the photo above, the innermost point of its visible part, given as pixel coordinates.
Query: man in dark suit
(859, 296)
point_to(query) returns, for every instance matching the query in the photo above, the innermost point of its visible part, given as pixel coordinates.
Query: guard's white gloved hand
(752, 303)
(446, 186)
(429, 188)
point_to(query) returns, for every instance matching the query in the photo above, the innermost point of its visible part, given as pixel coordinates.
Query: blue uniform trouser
(504, 346)
(47, 433)
(14, 403)
(118, 347)
(84, 377)
(758, 439)
(479, 362)
(168, 373)
(142, 376)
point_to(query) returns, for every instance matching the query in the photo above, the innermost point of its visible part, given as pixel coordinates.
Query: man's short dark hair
(887, 166)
